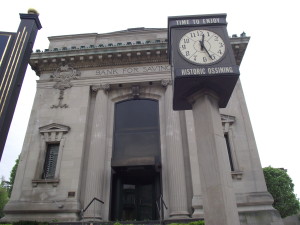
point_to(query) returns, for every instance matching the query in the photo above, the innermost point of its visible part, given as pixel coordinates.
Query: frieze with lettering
(134, 70)
(196, 21)
(206, 71)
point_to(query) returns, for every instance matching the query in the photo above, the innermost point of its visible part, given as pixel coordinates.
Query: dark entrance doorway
(135, 160)
(134, 193)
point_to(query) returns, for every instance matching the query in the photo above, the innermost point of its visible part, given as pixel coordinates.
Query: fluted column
(175, 163)
(216, 183)
(96, 159)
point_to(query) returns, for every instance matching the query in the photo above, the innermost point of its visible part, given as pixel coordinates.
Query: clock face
(202, 47)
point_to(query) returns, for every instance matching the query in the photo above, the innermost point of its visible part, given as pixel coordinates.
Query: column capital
(96, 88)
(166, 82)
(204, 92)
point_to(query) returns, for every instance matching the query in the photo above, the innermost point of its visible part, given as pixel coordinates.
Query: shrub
(30, 223)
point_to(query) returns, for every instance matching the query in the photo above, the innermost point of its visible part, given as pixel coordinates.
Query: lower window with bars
(50, 161)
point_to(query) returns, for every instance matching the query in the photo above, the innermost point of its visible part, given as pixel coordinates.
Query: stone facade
(82, 78)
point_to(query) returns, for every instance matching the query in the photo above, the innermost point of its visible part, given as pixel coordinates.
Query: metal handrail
(160, 204)
(83, 210)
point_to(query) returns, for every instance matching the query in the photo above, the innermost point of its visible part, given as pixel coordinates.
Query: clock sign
(201, 57)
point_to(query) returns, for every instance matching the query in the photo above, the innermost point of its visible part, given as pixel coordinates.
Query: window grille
(50, 161)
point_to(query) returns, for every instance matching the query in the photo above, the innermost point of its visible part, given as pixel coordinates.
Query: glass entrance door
(138, 202)
(134, 198)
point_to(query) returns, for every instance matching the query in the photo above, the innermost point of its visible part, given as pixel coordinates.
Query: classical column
(216, 183)
(96, 158)
(175, 164)
(197, 202)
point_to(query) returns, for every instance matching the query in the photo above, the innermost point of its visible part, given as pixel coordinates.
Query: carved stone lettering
(134, 70)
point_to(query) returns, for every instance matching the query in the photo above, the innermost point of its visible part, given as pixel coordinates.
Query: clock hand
(202, 42)
(203, 46)
(207, 52)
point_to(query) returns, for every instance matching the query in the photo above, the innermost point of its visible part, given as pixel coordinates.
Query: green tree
(12, 176)
(3, 197)
(281, 187)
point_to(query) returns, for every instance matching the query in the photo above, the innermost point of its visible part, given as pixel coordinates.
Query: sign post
(15, 51)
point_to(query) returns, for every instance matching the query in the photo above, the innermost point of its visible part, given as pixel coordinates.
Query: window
(227, 122)
(52, 139)
(136, 131)
(50, 161)
(229, 151)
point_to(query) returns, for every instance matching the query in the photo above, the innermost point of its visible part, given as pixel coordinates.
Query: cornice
(115, 55)
(99, 56)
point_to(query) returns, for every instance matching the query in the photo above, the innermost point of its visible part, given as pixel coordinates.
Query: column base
(91, 219)
(197, 205)
(179, 215)
(198, 213)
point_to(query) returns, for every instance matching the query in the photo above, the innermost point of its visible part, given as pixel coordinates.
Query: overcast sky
(269, 71)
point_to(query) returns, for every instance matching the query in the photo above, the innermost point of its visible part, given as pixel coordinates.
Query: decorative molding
(100, 57)
(54, 127)
(227, 121)
(107, 56)
(227, 118)
(60, 98)
(165, 83)
(54, 182)
(236, 175)
(63, 76)
(96, 88)
(135, 91)
(53, 132)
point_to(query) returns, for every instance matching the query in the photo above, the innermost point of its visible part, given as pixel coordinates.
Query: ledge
(54, 182)
(236, 175)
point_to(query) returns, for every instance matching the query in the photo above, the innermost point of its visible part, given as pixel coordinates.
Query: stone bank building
(102, 126)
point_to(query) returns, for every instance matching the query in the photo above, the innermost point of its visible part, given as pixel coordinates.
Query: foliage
(281, 187)
(117, 223)
(12, 176)
(30, 223)
(25, 223)
(3, 198)
(199, 222)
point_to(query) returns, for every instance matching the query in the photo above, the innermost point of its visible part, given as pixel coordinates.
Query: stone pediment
(227, 118)
(54, 127)
(227, 121)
